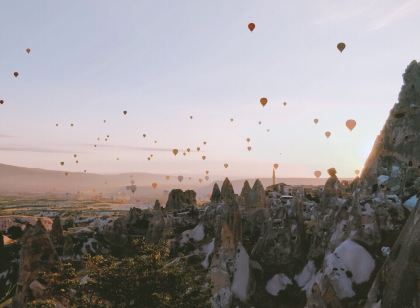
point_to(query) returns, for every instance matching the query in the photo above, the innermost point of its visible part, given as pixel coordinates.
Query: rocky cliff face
(394, 163)
(37, 255)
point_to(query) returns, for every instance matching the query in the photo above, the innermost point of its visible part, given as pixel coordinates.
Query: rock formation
(215, 194)
(37, 255)
(178, 199)
(394, 162)
(245, 195)
(227, 193)
(257, 195)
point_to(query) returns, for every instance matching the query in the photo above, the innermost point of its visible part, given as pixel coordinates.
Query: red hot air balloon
(154, 185)
(263, 101)
(251, 26)
(351, 124)
(317, 173)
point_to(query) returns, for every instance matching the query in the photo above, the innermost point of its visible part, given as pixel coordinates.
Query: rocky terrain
(337, 245)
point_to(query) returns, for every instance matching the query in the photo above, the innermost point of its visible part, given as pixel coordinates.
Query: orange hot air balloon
(16, 74)
(125, 112)
(341, 46)
(226, 165)
(276, 166)
(316, 121)
(351, 124)
(249, 148)
(317, 173)
(154, 185)
(28, 51)
(328, 134)
(62, 163)
(180, 178)
(203, 157)
(263, 101)
(175, 151)
(251, 26)
(357, 172)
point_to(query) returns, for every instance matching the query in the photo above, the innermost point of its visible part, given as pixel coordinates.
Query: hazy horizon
(164, 61)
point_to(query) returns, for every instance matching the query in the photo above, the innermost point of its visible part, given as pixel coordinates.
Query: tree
(147, 279)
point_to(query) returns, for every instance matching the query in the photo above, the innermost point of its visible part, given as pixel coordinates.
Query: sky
(163, 61)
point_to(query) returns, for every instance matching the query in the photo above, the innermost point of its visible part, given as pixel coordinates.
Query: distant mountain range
(20, 180)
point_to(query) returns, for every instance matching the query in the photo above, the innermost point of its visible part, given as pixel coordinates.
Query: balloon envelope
(180, 178)
(175, 151)
(276, 166)
(341, 46)
(251, 26)
(263, 101)
(317, 173)
(328, 134)
(226, 165)
(351, 124)
(316, 121)
(154, 185)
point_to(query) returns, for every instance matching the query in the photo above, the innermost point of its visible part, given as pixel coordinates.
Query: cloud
(128, 147)
(32, 149)
(396, 13)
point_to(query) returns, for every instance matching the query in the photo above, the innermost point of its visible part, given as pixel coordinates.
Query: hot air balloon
(66, 173)
(167, 177)
(62, 163)
(226, 165)
(357, 172)
(316, 121)
(1, 102)
(231, 119)
(198, 149)
(104, 121)
(204, 142)
(263, 101)
(151, 155)
(327, 134)
(251, 26)
(74, 155)
(341, 46)
(191, 117)
(188, 150)
(317, 173)
(144, 135)
(200, 180)
(28, 51)
(259, 122)
(203, 157)
(71, 124)
(155, 141)
(268, 130)
(207, 172)
(148, 158)
(248, 140)
(351, 124)
(284, 103)
(276, 166)
(16, 74)
(56, 124)
(184, 153)
(249, 148)
(175, 151)
(125, 112)
(180, 178)
(154, 185)
(84, 171)
(77, 161)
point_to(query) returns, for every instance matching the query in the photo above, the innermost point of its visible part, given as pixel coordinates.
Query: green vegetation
(148, 278)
